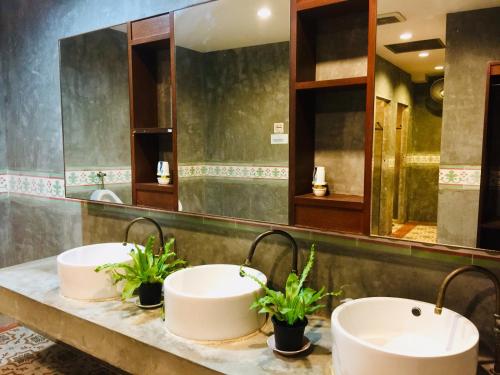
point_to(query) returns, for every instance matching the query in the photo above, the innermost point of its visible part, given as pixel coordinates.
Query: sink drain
(416, 311)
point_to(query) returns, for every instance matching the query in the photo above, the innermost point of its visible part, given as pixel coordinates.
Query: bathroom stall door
(378, 157)
(401, 122)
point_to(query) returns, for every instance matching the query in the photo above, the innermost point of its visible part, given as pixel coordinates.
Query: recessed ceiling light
(439, 67)
(264, 13)
(423, 54)
(406, 36)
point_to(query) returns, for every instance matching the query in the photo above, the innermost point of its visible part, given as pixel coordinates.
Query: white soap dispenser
(163, 173)
(319, 182)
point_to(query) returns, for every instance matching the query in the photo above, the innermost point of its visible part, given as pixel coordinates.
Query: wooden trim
(173, 101)
(131, 110)
(150, 28)
(370, 112)
(292, 112)
(332, 83)
(493, 69)
(312, 4)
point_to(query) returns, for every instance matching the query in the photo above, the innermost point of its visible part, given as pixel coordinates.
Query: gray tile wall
(472, 41)
(32, 30)
(228, 101)
(95, 100)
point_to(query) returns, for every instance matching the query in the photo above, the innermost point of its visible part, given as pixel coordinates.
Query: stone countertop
(136, 340)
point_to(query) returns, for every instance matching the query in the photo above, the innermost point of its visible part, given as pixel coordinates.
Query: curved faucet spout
(261, 236)
(490, 275)
(158, 228)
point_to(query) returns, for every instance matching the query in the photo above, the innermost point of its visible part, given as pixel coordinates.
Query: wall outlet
(279, 128)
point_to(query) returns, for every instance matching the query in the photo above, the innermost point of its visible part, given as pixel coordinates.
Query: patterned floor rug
(24, 352)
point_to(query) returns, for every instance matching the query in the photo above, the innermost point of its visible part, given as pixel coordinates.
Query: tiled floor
(24, 352)
(415, 232)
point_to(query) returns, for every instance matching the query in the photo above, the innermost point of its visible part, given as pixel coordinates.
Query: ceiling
(228, 24)
(425, 19)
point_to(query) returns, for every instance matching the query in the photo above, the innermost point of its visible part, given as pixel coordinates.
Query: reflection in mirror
(432, 58)
(232, 71)
(95, 111)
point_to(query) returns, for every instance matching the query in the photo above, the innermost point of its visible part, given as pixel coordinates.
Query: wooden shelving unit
(337, 211)
(488, 234)
(151, 51)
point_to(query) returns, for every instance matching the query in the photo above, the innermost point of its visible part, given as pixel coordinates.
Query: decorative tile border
(4, 187)
(464, 177)
(40, 186)
(422, 159)
(233, 171)
(88, 177)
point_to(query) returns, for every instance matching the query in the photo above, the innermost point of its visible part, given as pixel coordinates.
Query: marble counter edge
(140, 330)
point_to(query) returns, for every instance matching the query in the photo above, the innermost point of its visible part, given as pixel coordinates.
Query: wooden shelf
(150, 40)
(352, 202)
(152, 131)
(154, 186)
(331, 83)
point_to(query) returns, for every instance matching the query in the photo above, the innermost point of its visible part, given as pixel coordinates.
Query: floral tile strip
(234, 171)
(41, 186)
(4, 186)
(89, 176)
(422, 159)
(464, 177)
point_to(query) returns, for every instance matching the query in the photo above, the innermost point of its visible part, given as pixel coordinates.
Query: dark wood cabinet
(332, 61)
(489, 202)
(151, 51)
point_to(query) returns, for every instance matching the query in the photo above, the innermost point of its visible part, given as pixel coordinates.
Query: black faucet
(160, 232)
(261, 236)
(496, 316)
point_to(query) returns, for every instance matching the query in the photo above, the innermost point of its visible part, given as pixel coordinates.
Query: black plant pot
(289, 338)
(150, 294)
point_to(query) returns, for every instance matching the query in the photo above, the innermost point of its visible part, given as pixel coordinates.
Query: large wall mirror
(95, 112)
(223, 127)
(431, 86)
(232, 73)
(210, 95)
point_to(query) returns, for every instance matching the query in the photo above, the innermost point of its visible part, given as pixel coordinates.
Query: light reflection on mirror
(432, 59)
(95, 113)
(232, 73)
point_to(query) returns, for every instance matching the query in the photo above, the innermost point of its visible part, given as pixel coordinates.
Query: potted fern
(146, 272)
(289, 310)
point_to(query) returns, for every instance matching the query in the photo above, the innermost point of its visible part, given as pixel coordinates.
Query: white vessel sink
(212, 302)
(77, 278)
(382, 336)
(105, 195)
